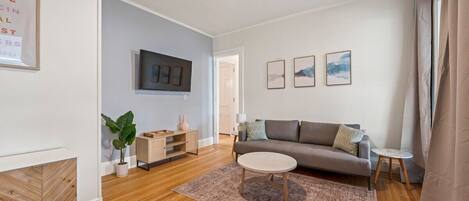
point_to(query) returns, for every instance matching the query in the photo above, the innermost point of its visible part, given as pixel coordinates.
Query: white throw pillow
(347, 139)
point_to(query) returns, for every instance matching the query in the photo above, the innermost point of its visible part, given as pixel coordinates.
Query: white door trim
(99, 91)
(236, 51)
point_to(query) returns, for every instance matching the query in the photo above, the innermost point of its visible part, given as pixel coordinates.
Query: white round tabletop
(267, 162)
(393, 153)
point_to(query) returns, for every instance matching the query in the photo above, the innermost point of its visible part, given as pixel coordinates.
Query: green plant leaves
(130, 138)
(124, 128)
(127, 132)
(111, 124)
(125, 119)
(118, 144)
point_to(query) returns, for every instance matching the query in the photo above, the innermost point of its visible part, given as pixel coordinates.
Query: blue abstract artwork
(338, 68)
(305, 74)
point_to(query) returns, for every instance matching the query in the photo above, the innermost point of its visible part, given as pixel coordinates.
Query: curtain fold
(447, 168)
(416, 126)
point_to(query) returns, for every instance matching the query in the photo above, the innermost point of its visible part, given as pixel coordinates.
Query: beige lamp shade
(240, 118)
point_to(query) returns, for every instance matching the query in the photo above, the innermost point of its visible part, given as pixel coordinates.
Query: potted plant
(125, 130)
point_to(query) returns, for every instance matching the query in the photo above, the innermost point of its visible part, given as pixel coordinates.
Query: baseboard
(108, 168)
(205, 142)
(97, 199)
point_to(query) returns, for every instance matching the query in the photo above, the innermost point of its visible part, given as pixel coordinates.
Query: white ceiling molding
(214, 18)
(167, 18)
(284, 18)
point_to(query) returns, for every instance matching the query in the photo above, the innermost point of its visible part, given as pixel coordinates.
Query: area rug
(223, 184)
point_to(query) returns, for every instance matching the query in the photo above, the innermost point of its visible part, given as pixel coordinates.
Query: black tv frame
(156, 69)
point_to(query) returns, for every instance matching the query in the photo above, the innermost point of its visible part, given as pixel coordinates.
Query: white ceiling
(218, 17)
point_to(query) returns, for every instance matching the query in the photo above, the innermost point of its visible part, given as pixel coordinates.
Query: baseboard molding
(97, 199)
(205, 142)
(108, 168)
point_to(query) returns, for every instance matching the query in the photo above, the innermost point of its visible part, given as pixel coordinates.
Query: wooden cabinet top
(160, 134)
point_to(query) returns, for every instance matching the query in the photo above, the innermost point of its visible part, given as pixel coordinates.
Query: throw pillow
(256, 130)
(347, 139)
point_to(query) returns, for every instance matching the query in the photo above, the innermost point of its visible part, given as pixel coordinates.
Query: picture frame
(339, 68)
(276, 74)
(19, 38)
(304, 71)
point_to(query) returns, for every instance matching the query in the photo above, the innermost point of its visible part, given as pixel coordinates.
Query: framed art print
(339, 68)
(19, 34)
(276, 74)
(305, 71)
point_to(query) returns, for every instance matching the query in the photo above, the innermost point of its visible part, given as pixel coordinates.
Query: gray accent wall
(126, 30)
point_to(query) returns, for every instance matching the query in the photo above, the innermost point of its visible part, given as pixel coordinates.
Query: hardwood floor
(157, 183)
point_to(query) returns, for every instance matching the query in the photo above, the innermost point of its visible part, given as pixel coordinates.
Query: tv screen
(164, 73)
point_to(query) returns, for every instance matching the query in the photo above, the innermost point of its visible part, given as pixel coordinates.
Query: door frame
(223, 53)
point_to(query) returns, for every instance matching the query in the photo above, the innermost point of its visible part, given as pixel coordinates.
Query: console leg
(143, 167)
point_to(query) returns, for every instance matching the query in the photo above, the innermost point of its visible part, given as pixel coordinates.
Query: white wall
(380, 35)
(126, 30)
(58, 105)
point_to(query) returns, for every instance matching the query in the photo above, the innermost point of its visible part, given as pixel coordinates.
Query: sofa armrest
(242, 135)
(364, 148)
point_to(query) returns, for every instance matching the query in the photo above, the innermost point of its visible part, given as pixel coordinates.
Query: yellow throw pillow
(347, 139)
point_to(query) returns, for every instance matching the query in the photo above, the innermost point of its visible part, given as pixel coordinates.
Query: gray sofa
(311, 145)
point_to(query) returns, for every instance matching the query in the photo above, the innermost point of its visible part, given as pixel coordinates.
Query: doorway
(228, 92)
(228, 96)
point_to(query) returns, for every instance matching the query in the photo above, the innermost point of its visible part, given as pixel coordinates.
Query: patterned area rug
(223, 184)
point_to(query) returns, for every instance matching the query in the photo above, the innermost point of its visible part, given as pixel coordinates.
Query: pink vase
(183, 124)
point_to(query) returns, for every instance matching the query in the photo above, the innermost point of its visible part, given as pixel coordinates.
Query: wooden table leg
(390, 169)
(285, 186)
(234, 141)
(270, 177)
(241, 187)
(404, 170)
(378, 169)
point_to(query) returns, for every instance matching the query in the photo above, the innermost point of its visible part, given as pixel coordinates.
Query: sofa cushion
(282, 130)
(310, 155)
(256, 130)
(320, 133)
(347, 139)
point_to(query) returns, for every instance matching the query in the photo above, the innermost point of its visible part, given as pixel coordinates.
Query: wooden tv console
(162, 145)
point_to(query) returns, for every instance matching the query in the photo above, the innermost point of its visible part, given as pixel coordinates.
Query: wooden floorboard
(157, 184)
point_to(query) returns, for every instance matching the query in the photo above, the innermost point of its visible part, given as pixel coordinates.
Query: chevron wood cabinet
(51, 181)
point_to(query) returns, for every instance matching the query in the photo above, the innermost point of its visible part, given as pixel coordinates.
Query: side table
(392, 154)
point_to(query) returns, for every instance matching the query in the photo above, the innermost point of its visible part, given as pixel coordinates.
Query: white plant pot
(122, 170)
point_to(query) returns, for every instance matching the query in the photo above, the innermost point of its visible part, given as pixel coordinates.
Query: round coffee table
(392, 154)
(269, 163)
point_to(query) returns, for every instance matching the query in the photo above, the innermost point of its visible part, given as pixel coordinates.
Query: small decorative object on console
(183, 124)
(154, 134)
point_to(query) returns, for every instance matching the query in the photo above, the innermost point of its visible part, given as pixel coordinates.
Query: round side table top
(392, 153)
(267, 162)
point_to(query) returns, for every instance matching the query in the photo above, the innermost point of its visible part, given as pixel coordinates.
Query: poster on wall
(276, 74)
(19, 34)
(339, 68)
(305, 71)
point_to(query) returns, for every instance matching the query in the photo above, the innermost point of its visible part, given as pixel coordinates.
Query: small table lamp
(240, 119)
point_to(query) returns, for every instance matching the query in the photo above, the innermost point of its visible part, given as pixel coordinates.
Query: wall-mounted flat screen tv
(164, 73)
